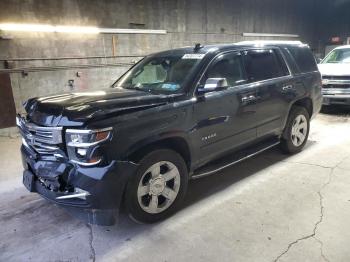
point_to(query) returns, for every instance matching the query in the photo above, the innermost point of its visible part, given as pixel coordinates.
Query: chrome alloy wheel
(158, 187)
(299, 130)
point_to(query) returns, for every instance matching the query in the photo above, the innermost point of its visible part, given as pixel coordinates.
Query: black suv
(176, 115)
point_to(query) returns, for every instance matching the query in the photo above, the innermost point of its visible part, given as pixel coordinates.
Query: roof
(203, 50)
(232, 46)
(261, 43)
(270, 42)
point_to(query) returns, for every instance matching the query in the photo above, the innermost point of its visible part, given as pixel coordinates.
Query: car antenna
(197, 46)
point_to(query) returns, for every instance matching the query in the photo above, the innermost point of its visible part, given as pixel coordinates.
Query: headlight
(87, 138)
(83, 145)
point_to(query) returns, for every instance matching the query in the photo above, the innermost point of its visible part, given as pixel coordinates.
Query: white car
(335, 70)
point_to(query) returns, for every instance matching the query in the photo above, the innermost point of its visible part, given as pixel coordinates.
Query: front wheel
(158, 187)
(296, 132)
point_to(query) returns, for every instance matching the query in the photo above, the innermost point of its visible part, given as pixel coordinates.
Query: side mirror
(213, 84)
(319, 60)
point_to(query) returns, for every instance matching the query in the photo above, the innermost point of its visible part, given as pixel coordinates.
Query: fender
(301, 101)
(173, 134)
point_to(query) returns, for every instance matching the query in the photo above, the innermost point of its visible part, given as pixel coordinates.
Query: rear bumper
(104, 186)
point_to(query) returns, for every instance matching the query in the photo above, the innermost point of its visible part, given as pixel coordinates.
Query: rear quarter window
(304, 59)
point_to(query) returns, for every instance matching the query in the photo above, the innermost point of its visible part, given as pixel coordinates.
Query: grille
(43, 140)
(336, 77)
(336, 86)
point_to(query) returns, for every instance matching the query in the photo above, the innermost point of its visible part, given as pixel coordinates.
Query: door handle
(247, 99)
(288, 88)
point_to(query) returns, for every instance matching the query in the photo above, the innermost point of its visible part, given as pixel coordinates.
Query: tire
(151, 195)
(295, 136)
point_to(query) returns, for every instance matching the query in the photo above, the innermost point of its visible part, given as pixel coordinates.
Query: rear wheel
(297, 130)
(158, 187)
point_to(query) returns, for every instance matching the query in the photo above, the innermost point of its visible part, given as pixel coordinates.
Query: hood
(333, 69)
(75, 109)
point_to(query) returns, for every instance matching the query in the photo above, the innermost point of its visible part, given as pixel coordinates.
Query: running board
(235, 158)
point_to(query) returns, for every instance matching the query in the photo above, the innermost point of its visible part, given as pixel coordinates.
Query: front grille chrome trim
(43, 140)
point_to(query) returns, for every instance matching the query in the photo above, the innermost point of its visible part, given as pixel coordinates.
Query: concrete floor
(269, 208)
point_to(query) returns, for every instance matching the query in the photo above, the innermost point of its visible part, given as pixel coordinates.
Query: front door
(224, 120)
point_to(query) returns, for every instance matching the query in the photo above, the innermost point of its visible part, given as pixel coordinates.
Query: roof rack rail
(269, 42)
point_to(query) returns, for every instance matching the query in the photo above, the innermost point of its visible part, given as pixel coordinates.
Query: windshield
(338, 56)
(161, 74)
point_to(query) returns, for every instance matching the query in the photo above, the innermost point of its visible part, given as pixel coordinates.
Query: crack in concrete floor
(91, 243)
(313, 235)
(290, 245)
(321, 249)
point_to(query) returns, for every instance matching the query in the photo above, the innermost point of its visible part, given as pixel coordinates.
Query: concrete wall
(336, 21)
(332, 20)
(187, 22)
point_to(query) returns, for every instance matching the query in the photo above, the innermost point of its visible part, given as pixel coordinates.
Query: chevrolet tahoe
(174, 116)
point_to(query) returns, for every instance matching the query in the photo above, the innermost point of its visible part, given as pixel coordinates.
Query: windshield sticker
(193, 56)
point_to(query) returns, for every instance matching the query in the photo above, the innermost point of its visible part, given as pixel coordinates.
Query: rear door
(267, 70)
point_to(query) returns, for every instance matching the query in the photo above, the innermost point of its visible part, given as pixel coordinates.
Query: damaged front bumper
(93, 194)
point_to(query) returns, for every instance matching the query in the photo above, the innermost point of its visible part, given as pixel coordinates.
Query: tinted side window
(291, 62)
(304, 58)
(263, 64)
(228, 66)
(282, 64)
